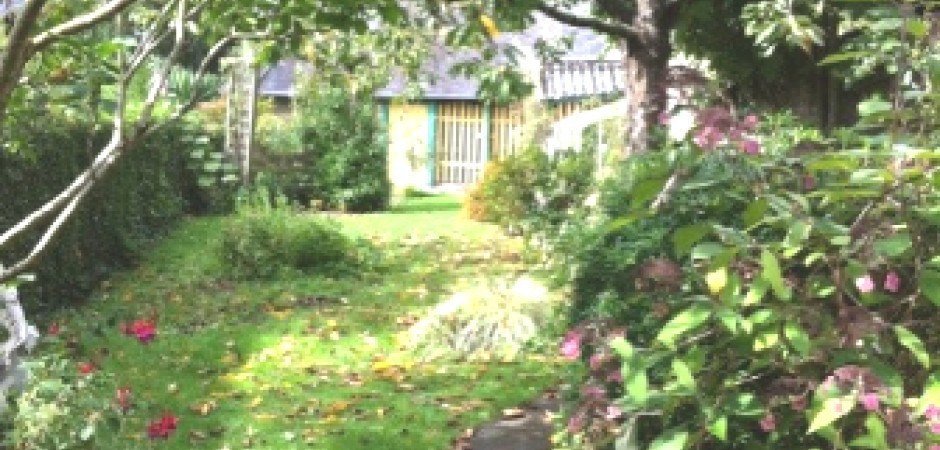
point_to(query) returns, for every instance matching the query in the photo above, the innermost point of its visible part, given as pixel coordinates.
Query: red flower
(53, 329)
(85, 368)
(143, 329)
(163, 427)
(123, 398)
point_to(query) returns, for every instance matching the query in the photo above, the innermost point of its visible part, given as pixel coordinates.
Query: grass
(301, 361)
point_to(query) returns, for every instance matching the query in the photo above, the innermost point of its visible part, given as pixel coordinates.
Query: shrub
(264, 244)
(531, 188)
(342, 163)
(487, 320)
(774, 301)
(140, 198)
(60, 408)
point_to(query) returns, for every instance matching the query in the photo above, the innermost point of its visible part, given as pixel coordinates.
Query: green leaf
(832, 409)
(893, 246)
(686, 237)
(797, 337)
(914, 344)
(756, 293)
(685, 321)
(755, 212)
(877, 436)
(646, 191)
(931, 395)
(670, 440)
(929, 283)
(683, 374)
(707, 250)
(637, 384)
(622, 347)
(771, 272)
(719, 428)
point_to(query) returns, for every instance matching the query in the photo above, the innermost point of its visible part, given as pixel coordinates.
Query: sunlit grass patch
(300, 360)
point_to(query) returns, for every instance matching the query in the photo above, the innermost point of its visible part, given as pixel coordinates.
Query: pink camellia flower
(865, 284)
(892, 282)
(571, 346)
(935, 447)
(768, 423)
(163, 427)
(935, 427)
(144, 330)
(870, 401)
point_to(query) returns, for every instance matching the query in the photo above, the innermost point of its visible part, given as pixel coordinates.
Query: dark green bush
(264, 244)
(138, 200)
(343, 162)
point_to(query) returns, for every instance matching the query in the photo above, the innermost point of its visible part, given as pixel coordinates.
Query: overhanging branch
(79, 24)
(603, 26)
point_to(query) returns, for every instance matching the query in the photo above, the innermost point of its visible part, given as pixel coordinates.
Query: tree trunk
(646, 68)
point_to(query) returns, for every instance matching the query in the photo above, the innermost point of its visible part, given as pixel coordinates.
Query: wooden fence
(468, 134)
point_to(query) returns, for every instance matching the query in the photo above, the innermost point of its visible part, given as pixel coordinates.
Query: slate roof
(278, 80)
(583, 71)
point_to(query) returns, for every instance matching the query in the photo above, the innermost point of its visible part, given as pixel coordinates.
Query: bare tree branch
(603, 26)
(68, 200)
(78, 24)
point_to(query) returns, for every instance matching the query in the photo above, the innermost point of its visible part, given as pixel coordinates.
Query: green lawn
(303, 361)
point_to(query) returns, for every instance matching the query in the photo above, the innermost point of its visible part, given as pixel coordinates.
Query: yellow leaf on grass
(255, 402)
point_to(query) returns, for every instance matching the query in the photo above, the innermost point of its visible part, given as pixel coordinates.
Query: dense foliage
(151, 190)
(342, 162)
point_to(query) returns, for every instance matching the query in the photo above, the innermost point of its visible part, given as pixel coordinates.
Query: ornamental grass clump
(483, 320)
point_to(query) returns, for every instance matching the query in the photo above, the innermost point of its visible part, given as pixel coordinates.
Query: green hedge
(140, 198)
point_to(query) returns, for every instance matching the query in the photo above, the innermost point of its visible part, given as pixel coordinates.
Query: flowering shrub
(781, 313)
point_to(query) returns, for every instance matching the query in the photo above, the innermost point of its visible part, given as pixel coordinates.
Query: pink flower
(750, 122)
(809, 183)
(870, 401)
(613, 412)
(750, 146)
(892, 282)
(576, 423)
(615, 376)
(571, 346)
(53, 329)
(865, 284)
(593, 392)
(935, 447)
(768, 423)
(932, 412)
(596, 361)
(798, 403)
(935, 427)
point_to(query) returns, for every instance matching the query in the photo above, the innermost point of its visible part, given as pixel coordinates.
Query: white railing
(567, 134)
